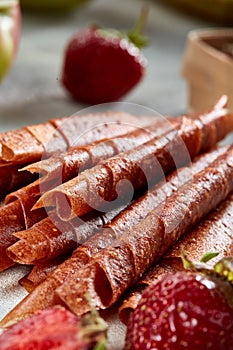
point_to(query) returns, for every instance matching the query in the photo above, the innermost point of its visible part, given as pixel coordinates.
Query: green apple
(10, 25)
(51, 5)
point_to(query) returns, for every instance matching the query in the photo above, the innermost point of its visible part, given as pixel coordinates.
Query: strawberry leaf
(101, 345)
(208, 256)
(135, 35)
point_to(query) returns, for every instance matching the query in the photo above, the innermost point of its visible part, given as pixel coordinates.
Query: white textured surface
(31, 93)
(11, 293)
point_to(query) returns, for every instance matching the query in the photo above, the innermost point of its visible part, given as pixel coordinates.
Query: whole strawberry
(184, 310)
(55, 329)
(103, 65)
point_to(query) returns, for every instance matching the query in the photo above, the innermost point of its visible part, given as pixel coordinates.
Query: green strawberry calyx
(134, 36)
(223, 268)
(94, 328)
(221, 273)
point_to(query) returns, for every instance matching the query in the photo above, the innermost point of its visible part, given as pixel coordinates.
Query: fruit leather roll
(11, 220)
(28, 144)
(114, 178)
(51, 237)
(112, 271)
(27, 196)
(40, 272)
(44, 295)
(80, 130)
(16, 215)
(11, 179)
(48, 238)
(70, 164)
(213, 234)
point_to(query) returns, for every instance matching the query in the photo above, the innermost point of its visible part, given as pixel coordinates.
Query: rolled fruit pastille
(213, 234)
(139, 167)
(70, 164)
(44, 240)
(52, 237)
(11, 220)
(27, 196)
(44, 295)
(112, 271)
(30, 143)
(16, 215)
(27, 144)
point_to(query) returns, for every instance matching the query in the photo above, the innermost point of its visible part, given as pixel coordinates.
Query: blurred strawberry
(103, 65)
(55, 329)
(185, 310)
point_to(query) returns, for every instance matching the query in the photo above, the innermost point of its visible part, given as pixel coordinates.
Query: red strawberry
(184, 310)
(103, 65)
(54, 329)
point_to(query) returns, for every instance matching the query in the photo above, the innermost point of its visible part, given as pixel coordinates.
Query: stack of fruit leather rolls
(72, 272)
(17, 147)
(197, 133)
(52, 237)
(112, 271)
(201, 134)
(123, 221)
(46, 234)
(139, 167)
(69, 164)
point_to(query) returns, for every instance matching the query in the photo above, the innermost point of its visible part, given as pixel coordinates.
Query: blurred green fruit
(10, 25)
(51, 5)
